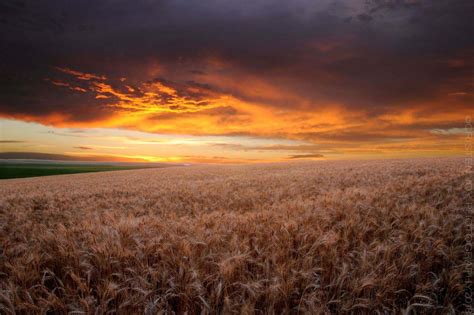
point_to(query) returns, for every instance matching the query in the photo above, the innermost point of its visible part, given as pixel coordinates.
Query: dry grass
(321, 237)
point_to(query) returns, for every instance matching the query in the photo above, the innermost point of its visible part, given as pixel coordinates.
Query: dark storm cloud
(370, 55)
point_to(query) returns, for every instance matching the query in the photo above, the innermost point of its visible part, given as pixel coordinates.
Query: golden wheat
(319, 237)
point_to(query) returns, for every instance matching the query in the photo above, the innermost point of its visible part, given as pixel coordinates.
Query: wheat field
(328, 237)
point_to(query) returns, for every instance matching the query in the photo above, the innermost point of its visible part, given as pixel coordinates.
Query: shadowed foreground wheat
(319, 237)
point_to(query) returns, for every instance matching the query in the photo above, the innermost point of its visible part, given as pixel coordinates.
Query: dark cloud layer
(374, 56)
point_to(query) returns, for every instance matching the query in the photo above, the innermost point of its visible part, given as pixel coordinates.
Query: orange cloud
(81, 75)
(250, 106)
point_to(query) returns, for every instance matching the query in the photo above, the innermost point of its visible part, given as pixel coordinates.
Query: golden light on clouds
(242, 82)
(328, 130)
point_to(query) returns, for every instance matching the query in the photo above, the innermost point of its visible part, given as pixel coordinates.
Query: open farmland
(310, 237)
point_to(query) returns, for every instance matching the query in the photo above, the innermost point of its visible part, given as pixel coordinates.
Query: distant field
(362, 237)
(11, 170)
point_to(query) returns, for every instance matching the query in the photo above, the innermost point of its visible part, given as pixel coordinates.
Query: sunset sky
(235, 81)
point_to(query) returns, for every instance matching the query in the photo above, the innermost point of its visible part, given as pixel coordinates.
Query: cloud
(450, 131)
(324, 71)
(12, 141)
(83, 148)
(306, 156)
(364, 17)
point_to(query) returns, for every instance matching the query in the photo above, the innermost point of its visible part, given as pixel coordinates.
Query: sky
(215, 81)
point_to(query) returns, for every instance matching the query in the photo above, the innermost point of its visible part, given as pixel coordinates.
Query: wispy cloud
(83, 148)
(12, 141)
(305, 156)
